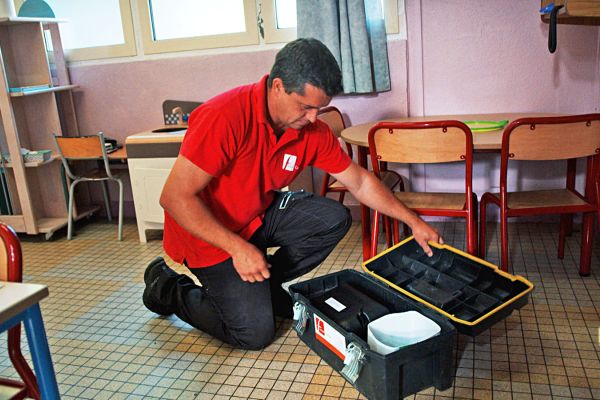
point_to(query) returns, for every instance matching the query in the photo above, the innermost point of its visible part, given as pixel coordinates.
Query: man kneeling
(223, 208)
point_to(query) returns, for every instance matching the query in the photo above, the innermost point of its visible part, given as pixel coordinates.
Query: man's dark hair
(306, 60)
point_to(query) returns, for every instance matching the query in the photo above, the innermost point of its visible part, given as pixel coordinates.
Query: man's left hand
(423, 232)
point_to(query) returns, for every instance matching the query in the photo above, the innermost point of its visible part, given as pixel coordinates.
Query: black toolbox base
(392, 376)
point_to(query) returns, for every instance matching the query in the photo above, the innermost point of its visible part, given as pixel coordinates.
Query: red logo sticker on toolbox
(332, 339)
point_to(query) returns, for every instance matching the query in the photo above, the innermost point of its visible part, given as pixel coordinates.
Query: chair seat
(438, 201)
(542, 198)
(389, 178)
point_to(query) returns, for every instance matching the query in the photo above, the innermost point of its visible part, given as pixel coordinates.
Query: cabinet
(148, 176)
(36, 101)
(150, 156)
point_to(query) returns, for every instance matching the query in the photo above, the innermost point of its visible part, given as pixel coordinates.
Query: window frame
(273, 34)
(392, 16)
(152, 46)
(99, 52)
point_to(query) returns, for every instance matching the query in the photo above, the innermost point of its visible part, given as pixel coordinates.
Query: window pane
(174, 19)
(286, 13)
(90, 23)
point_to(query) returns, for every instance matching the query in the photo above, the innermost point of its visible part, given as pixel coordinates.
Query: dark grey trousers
(305, 227)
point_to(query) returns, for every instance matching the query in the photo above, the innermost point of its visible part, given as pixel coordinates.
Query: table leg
(365, 212)
(40, 353)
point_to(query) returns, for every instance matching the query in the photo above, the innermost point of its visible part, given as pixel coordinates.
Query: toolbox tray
(404, 372)
(469, 291)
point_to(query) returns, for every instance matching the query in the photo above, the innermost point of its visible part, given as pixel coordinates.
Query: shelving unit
(29, 119)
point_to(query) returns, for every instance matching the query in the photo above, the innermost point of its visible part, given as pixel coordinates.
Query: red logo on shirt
(289, 162)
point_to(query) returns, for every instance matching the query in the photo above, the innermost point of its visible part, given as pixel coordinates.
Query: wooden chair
(89, 148)
(11, 269)
(542, 139)
(333, 117)
(425, 143)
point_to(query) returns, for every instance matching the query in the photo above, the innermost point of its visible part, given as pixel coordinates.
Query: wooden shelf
(47, 90)
(21, 20)
(51, 225)
(576, 12)
(53, 158)
(17, 222)
(47, 225)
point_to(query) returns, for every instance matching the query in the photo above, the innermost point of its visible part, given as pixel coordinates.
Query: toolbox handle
(353, 362)
(300, 318)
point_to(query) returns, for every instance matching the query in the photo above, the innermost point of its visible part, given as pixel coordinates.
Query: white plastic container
(393, 331)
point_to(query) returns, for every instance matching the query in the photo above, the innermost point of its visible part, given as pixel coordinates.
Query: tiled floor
(106, 345)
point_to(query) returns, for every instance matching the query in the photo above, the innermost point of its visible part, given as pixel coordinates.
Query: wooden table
(19, 302)
(120, 154)
(482, 142)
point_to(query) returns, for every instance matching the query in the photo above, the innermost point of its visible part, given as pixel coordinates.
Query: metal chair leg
(106, 199)
(120, 234)
(564, 224)
(374, 235)
(482, 226)
(503, 240)
(70, 211)
(587, 236)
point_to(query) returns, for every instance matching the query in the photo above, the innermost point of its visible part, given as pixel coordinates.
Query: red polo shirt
(230, 138)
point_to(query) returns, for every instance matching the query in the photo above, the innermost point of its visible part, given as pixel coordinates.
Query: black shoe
(155, 270)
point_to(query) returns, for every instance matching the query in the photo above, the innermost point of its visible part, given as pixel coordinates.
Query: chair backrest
(421, 142)
(80, 147)
(552, 138)
(90, 147)
(11, 266)
(332, 116)
(186, 108)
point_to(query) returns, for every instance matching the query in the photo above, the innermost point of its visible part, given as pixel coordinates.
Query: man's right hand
(251, 264)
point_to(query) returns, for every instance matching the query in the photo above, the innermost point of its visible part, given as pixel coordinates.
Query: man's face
(295, 110)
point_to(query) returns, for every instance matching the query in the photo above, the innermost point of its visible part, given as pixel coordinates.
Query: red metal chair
(11, 269)
(425, 143)
(541, 139)
(333, 117)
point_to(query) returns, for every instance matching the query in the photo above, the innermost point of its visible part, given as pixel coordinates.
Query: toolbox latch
(300, 318)
(353, 362)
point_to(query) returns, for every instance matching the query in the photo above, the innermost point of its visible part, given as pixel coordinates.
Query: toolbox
(455, 290)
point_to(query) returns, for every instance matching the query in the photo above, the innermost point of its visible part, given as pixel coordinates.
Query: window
(177, 25)
(280, 19)
(201, 18)
(94, 28)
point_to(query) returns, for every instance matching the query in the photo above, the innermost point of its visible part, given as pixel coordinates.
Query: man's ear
(277, 86)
